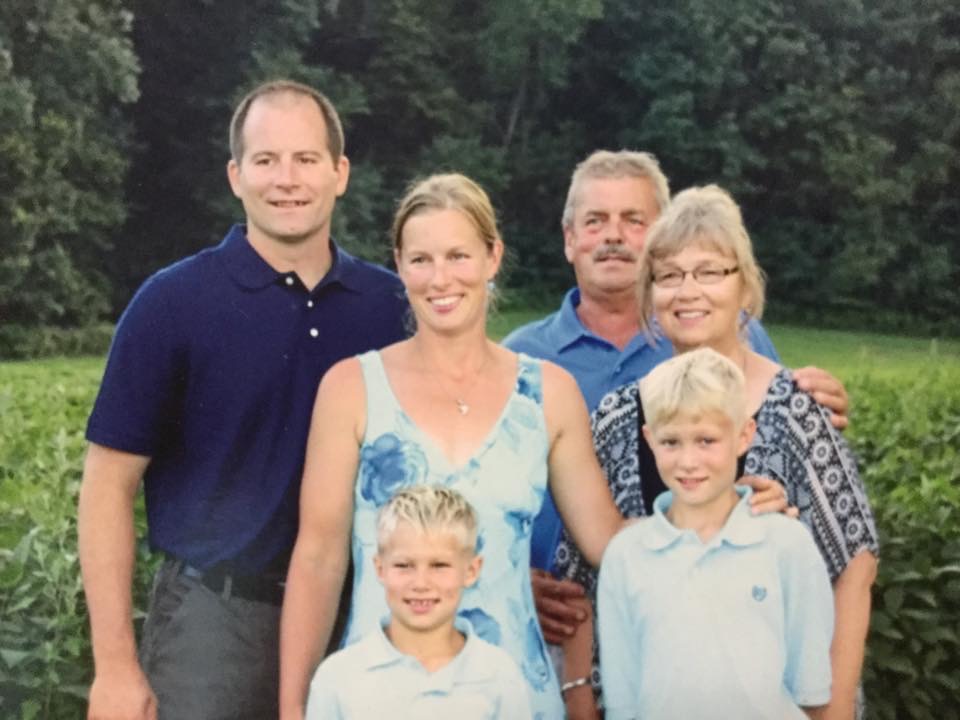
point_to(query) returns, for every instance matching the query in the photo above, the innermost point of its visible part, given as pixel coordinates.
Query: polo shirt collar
(741, 527)
(253, 272)
(568, 328)
(379, 652)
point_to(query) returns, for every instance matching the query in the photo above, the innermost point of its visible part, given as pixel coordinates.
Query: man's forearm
(107, 546)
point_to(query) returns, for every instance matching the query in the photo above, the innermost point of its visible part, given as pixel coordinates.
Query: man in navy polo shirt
(613, 199)
(207, 398)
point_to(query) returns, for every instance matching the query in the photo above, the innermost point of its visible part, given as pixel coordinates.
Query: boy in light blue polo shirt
(422, 663)
(704, 610)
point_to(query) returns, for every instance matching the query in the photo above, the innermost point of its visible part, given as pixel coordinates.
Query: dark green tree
(66, 68)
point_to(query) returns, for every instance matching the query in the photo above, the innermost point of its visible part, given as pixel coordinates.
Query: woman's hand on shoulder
(826, 390)
(768, 496)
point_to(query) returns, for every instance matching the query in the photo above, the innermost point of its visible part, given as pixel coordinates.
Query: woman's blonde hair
(693, 384)
(700, 216)
(451, 191)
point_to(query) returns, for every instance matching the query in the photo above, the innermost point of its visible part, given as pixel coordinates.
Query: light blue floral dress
(505, 481)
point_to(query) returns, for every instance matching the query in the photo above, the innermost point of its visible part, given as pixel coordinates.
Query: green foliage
(65, 67)
(18, 342)
(45, 666)
(905, 430)
(907, 436)
(835, 125)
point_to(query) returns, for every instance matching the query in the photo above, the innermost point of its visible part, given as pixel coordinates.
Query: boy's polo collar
(740, 529)
(253, 272)
(379, 652)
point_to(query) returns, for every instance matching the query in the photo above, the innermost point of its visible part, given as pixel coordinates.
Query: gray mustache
(618, 252)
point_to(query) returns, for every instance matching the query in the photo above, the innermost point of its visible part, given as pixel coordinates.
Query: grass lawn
(844, 353)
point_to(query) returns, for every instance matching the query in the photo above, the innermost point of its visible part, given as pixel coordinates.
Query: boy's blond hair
(428, 508)
(693, 384)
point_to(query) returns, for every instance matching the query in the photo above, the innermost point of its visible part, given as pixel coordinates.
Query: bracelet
(571, 684)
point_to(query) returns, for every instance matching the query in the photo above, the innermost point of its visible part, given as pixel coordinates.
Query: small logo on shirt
(759, 592)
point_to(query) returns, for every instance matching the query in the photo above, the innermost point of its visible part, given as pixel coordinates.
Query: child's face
(697, 456)
(424, 574)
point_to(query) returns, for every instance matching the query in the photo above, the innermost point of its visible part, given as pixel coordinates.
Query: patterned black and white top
(794, 444)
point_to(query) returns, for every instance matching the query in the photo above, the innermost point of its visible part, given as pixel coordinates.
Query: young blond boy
(706, 611)
(422, 663)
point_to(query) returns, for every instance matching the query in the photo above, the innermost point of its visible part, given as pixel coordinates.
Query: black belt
(258, 588)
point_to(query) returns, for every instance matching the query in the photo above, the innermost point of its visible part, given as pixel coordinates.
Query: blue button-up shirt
(599, 367)
(213, 372)
(372, 679)
(736, 627)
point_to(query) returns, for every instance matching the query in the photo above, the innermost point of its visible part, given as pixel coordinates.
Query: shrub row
(19, 342)
(906, 431)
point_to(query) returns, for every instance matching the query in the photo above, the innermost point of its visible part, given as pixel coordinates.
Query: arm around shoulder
(576, 480)
(321, 553)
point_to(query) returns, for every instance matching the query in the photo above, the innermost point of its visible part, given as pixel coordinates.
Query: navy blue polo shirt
(213, 372)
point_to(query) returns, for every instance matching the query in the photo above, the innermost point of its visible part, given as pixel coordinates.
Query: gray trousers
(208, 655)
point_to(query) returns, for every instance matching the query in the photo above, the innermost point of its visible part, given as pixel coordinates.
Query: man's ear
(342, 167)
(233, 176)
(569, 243)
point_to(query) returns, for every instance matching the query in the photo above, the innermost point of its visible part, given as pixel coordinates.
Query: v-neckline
(426, 438)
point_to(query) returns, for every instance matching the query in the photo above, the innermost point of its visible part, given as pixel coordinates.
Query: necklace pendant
(462, 406)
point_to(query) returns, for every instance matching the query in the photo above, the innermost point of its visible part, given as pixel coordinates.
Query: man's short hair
(605, 164)
(691, 385)
(280, 87)
(428, 508)
(707, 217)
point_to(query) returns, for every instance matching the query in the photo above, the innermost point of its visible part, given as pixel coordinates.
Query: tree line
(835, 124)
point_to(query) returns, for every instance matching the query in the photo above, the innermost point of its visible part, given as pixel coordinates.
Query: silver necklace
(463, 407)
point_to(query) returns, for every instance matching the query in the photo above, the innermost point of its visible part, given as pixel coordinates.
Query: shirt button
(618, 368)
(289, 280)
(314, 332)
(309, 303)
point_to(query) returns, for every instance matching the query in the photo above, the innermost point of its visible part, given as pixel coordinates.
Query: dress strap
(530, 377)
(380, 397)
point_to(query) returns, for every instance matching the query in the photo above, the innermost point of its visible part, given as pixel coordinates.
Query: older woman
(699, 284)
(451, 407)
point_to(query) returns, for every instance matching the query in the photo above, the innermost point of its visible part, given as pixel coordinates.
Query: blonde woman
(448, 407)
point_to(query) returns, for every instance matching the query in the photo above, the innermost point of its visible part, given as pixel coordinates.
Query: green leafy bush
(45, 664)
(19, 342)
(906, 431)
(907, 434)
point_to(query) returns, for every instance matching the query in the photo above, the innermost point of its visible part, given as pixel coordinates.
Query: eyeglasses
(704, 275)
